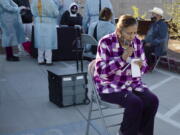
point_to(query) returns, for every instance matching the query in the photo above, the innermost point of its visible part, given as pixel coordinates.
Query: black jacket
(22, 3)
(26, 14)
(71, 21)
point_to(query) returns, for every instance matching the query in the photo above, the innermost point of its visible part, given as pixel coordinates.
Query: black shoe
(41, 63)
(49, 64)
(151, 67)
(13, 58)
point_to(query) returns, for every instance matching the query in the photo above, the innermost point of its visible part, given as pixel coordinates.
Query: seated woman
(115, 81)
(156, 40)
(71, 17)
(102, 27)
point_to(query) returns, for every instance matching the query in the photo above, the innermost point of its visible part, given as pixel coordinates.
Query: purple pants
(140, 110)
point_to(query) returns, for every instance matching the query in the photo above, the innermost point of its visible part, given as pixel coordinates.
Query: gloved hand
(22, 7)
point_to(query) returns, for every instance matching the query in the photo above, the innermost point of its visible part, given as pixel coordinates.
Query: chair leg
(156, 63)
(77, 62)
(168, 63)
(89, 118)
(102, 119)
(81, 65)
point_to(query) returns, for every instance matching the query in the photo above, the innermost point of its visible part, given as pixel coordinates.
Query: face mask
(125, 41)
(153, 18)
(73, 10)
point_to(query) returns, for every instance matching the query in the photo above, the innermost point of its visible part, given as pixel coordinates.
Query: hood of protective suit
(73, 9)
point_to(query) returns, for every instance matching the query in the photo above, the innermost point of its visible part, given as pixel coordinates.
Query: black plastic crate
(69, 89)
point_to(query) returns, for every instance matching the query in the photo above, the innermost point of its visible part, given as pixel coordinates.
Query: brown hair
(105, 14)
(126, 21)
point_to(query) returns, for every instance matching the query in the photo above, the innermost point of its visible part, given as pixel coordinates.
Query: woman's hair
(105, 14)
(125, 21)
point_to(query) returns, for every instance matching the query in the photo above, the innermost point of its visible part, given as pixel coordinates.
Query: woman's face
(128, 33)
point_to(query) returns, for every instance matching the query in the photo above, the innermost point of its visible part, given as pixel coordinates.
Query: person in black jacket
(27, 19)
(26, 12)
(71, 17)
(22, 3)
